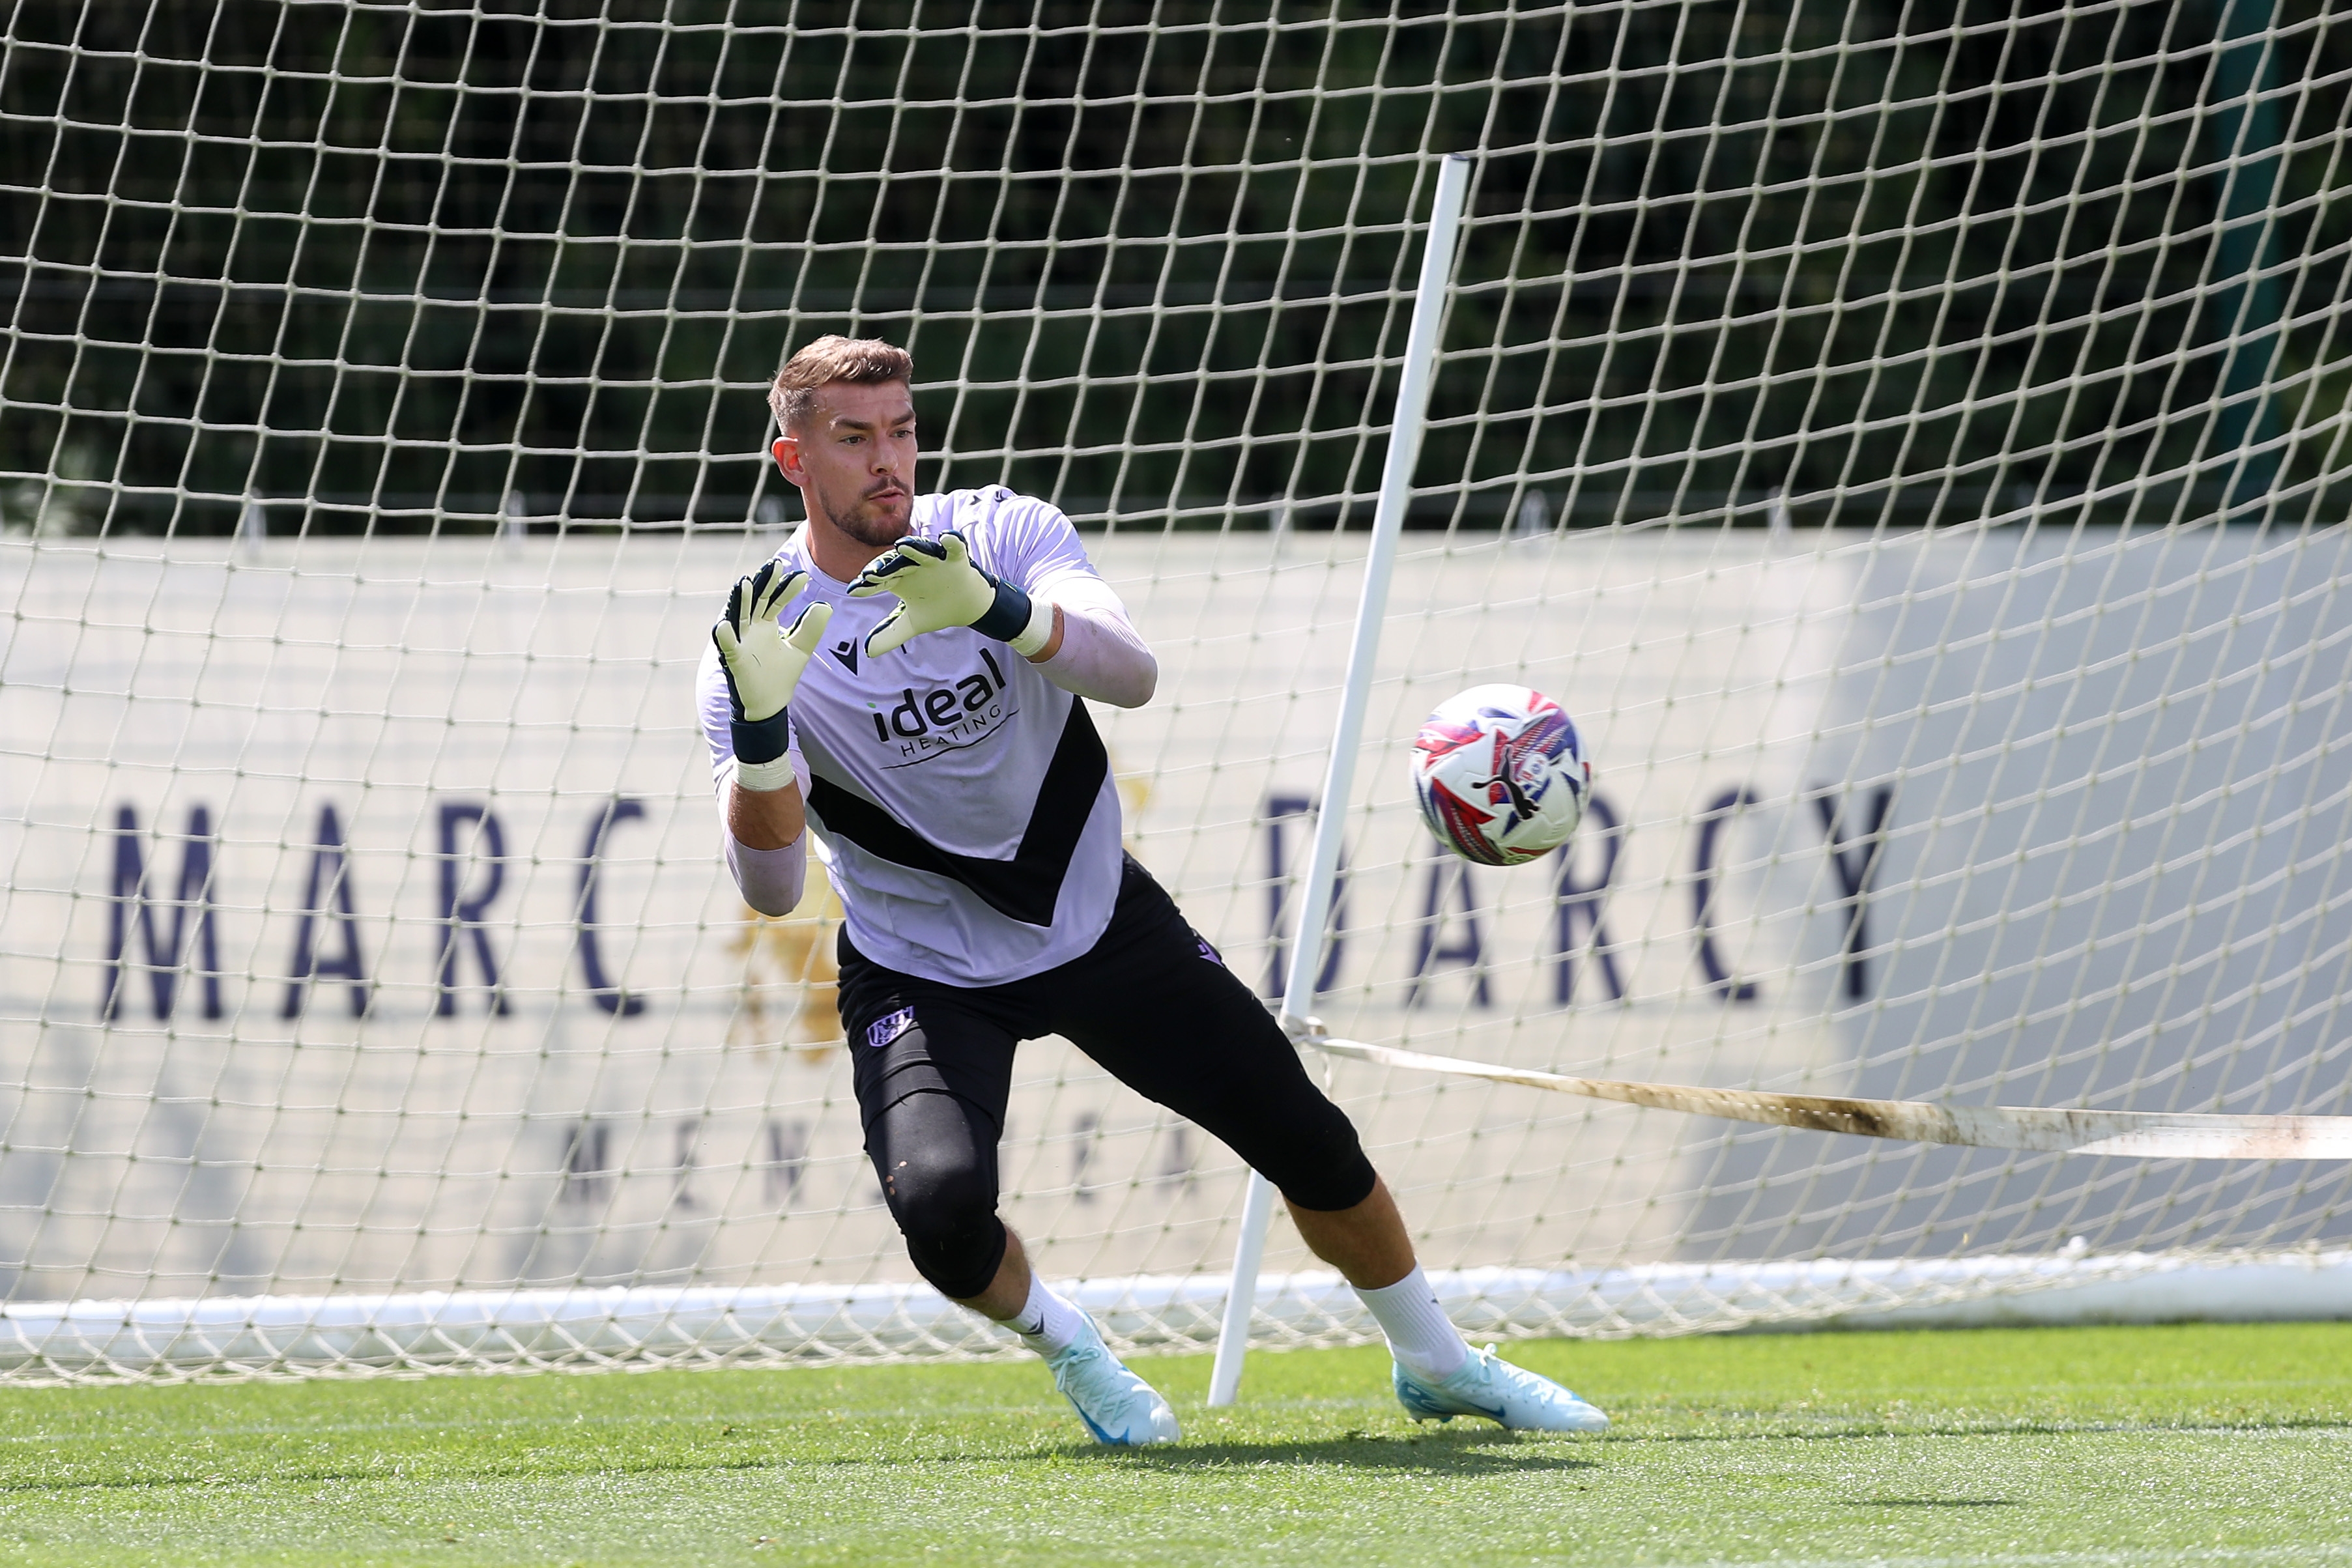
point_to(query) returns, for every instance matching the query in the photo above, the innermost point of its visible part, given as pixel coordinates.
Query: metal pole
(1331, 814)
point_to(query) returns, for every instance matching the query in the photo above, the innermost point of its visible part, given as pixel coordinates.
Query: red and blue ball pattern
(1500, 774)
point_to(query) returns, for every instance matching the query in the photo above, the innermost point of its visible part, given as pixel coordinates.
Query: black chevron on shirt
(1025, 888)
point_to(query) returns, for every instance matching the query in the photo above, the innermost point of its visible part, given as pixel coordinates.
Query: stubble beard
(868, 523)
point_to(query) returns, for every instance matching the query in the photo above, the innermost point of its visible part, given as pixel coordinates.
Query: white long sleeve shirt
(959, 795)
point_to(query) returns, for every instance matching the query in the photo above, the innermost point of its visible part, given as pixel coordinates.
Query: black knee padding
(936, 1157)
(949, 1217)
(1331, 1172)
(1304, 1144)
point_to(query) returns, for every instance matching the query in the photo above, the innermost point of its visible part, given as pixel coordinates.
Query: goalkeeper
(905, 678)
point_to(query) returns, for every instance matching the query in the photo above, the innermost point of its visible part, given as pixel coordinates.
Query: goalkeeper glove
(763, 663)
(938, 586)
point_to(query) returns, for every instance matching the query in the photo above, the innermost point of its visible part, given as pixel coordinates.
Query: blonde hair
(861, 361)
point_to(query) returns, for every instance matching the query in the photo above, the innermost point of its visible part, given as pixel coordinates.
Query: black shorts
(1151, 1002)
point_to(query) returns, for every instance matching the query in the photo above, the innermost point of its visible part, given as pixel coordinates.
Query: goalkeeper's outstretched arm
(1074, 630)
(771, 880)
(761, 782)
(1095, 651)
(766, 845)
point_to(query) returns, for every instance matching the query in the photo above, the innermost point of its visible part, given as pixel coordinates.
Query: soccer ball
(1500, 775)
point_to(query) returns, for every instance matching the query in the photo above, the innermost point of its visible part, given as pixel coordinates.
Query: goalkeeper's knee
(945, 1203)
(1308, 1150)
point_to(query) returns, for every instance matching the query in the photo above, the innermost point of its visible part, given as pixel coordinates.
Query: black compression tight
(1152, 1003)
(936, 1155)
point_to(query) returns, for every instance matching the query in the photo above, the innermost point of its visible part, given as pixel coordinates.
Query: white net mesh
(1907, 438)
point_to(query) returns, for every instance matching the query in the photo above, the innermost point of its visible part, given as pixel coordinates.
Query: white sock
(1045, 1322)
(1421, 1337)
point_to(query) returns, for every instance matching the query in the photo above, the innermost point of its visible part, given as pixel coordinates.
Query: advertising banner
(365, 927)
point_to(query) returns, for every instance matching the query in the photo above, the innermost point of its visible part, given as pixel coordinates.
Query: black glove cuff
(1009, 616)
(761, 739)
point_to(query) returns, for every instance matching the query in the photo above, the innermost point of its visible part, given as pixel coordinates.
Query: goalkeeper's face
(854, 461)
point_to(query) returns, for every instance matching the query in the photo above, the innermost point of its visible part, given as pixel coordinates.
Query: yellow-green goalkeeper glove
(939, 587)
(762, 662)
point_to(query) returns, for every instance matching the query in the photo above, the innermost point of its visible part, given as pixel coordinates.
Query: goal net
(1910, 440)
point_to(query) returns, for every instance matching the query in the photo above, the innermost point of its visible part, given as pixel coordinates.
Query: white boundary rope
(2146, 1134)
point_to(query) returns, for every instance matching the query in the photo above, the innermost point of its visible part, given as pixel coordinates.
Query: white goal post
(1910, 443)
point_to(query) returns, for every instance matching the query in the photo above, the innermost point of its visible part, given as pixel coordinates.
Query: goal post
(1301, 975)
(1910, 442)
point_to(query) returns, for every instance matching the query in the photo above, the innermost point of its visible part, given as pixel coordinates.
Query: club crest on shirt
(883, 1030)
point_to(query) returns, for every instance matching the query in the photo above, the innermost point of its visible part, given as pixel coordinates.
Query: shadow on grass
(1450, 1453)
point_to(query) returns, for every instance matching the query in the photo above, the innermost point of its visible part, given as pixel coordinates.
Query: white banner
(365, 927)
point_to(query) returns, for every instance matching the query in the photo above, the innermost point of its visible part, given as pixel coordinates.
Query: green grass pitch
(2201, 1444)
